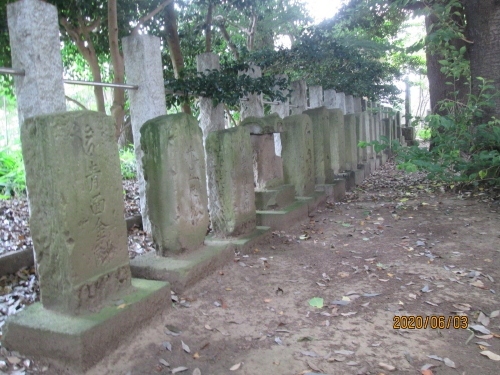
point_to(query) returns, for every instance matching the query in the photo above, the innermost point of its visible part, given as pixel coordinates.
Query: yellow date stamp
(430, 321)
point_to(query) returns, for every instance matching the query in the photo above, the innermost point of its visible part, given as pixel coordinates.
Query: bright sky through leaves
(322, 9)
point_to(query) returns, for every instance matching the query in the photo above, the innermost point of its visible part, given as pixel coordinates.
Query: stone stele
(230, 181)
(176, 187)
(297, 154)
(75, 194)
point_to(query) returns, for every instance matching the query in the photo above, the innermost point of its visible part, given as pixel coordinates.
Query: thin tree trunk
(174, 47)
(118, 107)
(208, 28)
(81, 37)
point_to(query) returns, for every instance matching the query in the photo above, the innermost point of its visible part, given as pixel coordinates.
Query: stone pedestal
(315, 96)
(176, 186)
(330, 99)
(298, 162)
(252, 105)
(230, 181)
(267, 166)
(80, 240)
(338, 147)
(351, 151)
(142, 53)
(341, 102)
(211, 116)
(298, 100)
(35, 48)
(349, 104)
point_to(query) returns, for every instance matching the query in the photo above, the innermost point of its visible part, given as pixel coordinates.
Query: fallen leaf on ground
(164, 363)
(344, 352)
(185, 347)
(427, 372)
(483, 319)
(309, 354)
(313, 366)
(481, 329)
(196, 371)
(491, 355)
(386, 366)
(494, 314)
(179, 369)
(448, 362)
(167, 345)
(235, 367)
(316, 302)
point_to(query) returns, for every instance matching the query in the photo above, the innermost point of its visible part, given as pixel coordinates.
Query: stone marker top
(264, 125)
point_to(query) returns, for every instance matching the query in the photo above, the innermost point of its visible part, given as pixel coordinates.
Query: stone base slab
(13, 262)
(359, 175)
(350, 179)
(285, 218)
(184, 270)
(279, 197)
(314, 201)
(242, 244)
(76, 343)
(335, 191)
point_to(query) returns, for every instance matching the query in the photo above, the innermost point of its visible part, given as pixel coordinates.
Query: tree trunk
(483, 29)
(118, 107)
(174, 47)
(208, 28)
(81, 37)
(439, 90)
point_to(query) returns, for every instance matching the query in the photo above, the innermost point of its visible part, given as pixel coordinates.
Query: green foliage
(424, 133)
(12, 179)
(128, 163)
(461, 151)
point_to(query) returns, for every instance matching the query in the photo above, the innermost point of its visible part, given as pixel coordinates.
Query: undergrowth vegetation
(12, 178)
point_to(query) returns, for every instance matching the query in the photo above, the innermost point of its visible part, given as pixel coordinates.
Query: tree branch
(76, 102)
(150, 15)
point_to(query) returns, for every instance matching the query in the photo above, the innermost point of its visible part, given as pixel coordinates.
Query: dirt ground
(397, 249)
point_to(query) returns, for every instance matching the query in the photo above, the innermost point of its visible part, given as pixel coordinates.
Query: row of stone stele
(88, 296)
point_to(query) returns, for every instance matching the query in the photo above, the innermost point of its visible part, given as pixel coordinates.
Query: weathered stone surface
(264, 125)
(349, 104)
(298, 162)
(330, 99)
(211, 117)
(315, 96)
(267, 166)
(360, 136)
(408, 133)
(341, 102)
(283, 110)
(35, 48)
(358, 108)
(142, 53)
(230, 181)
(79, 235)
(320, 119)
(298, 97)
(351, 149)
(176, 186)
(253, 107)
(338, 146)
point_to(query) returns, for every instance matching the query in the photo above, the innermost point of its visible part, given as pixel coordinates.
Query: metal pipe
(273, 103)
(244, 100)
(11, 71)
(101, 84)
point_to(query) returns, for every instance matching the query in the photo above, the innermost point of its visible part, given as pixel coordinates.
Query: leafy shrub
(127, 162)
(424, 134)
(12, 179)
